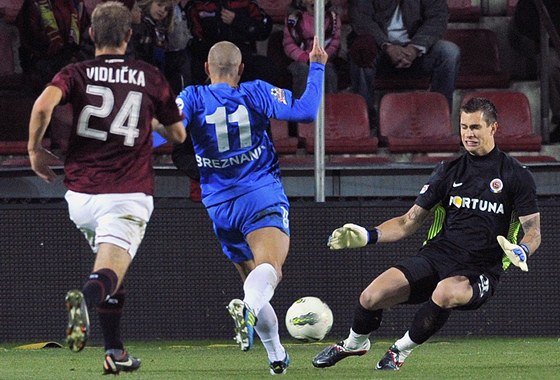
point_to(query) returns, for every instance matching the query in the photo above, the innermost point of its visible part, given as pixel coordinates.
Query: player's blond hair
(110, 23)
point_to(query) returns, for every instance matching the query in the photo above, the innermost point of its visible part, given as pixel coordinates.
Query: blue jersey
(228, 126)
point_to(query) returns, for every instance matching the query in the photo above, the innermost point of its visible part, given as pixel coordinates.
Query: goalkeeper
(480, 201)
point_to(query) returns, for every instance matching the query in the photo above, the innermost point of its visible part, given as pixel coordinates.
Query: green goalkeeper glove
(351, 236)
(517, 254)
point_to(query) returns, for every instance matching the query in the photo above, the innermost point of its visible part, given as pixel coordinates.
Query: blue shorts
(267, 206)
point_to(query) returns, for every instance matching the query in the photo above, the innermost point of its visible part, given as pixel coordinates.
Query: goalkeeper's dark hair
(110, 23)
(489, 112)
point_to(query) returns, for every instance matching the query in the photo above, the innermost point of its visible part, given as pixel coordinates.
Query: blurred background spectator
(178, 56)
(299, 30)
(51, 35)
(401, 38)
(242, 22)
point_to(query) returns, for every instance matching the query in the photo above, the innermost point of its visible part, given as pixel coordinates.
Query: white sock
(405, 345)
(356, 341)
(259, 287)
(267, 329)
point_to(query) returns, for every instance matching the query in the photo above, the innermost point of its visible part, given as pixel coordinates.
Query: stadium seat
(276, 9)
(480, 59)
(346, 126)
(416, 122)
(283, 142)
(464, 10)
(515, 129)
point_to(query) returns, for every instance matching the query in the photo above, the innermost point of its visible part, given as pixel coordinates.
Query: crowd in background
(387, 38)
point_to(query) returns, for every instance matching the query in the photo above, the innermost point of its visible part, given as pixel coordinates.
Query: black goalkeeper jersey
(477, 198)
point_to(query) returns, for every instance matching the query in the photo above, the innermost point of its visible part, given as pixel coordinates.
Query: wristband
(373, 236)
(524, 248)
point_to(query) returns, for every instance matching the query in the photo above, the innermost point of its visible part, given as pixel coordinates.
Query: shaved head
(224, 59)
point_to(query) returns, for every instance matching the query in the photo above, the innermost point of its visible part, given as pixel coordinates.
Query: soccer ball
(309, 319)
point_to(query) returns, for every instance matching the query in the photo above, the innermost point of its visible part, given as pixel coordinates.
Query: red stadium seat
(515, 129)
(464, 10)
(283, 142)
(276, 9)
(346, 126)
(480, 59)
(416, 122)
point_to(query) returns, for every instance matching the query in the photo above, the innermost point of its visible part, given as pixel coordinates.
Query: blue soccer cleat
(245, 321)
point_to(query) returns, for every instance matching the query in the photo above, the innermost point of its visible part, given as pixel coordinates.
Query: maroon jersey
(113, 100)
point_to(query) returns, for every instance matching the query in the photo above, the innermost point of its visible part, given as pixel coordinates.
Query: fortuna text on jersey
(476, 204)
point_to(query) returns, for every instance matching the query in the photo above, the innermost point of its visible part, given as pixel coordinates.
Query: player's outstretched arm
(41, 115)
(351, 236)
(355, 236)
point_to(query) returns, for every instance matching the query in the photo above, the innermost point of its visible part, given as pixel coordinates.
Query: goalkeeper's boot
(280, 367)
(335, 353)
(78, 320)
(117, 360)
(392, 360)
(245, 322)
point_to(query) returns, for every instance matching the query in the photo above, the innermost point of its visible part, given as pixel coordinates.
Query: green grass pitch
(441, 358)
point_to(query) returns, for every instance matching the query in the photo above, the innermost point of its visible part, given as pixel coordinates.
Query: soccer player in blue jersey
(240, 180)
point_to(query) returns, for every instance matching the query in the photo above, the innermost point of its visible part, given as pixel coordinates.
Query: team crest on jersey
(424, 189)
(278, 93)
(496, 185)
(180, 103)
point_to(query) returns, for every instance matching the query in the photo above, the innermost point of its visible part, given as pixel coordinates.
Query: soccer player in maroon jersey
(108, 166)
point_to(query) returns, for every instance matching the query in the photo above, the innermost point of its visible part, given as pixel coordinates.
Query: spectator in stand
(152, 34)
(524, 37)
(241, 22)
(401, 38)
(178, 56)
(51, 33)
(299, 30)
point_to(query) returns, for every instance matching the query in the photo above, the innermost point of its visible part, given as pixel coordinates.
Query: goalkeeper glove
(351, 236)
(517, 254)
